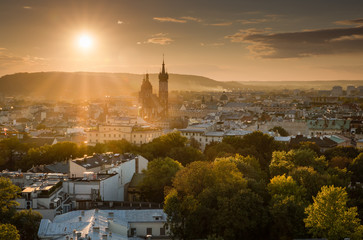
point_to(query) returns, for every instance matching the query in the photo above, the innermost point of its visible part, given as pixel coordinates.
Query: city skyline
(225, 41)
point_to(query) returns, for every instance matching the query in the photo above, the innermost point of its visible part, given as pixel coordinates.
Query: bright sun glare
(85, 41)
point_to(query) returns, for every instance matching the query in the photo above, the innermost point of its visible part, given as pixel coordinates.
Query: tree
(348, 152)
(280, 131)
(310, 179)
(8, 231)
(357, 168)
(161, 146)
(213, 199)
(9, 149)
(186, 155)
(329, 217)
(119, 146)
(8, 192)
(215, 150)
(286, 208)
(340, 162)
(281, 163)
(27, 222)
(158, 176)
(263, 145)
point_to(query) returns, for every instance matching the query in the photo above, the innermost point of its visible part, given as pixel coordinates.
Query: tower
(145, 98)
(163, 90)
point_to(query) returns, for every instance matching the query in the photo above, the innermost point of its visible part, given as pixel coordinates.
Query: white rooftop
(96, 223)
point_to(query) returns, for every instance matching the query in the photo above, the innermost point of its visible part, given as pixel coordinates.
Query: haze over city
(223, 40)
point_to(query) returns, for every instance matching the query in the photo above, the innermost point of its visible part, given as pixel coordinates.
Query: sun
(85, 41)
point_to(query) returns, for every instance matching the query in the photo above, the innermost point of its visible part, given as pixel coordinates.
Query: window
(140, 135)
(162, 231)
(149, 231)
(133, 232)
(109, 135)
(114, 135)
(96, 134)
(104, 135)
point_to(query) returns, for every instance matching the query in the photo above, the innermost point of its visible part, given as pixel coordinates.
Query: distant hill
(63, 85)
(78, 85)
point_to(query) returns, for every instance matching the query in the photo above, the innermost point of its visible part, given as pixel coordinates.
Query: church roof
(223, 97)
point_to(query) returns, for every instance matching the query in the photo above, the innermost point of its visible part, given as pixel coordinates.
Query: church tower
(145, 98)
(163, 90)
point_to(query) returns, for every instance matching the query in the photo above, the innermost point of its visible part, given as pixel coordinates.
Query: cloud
(266, 18)
(221, 24)
(10, 62)
(358, 22)
(211, 44)
(169, 19)
(301, 44)
(194, 19)
(27, 7)
(160, 38)
(119, 22)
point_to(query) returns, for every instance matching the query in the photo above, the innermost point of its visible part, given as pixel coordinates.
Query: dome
(223, 97)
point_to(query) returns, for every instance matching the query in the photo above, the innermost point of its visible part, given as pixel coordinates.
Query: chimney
(80, 219)
(136, 164)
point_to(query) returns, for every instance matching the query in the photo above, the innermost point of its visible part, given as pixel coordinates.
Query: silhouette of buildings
(153, 107)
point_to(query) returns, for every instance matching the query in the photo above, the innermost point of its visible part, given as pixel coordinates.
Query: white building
(130, 132)
(45, 197)
(102, 177)
(206, 134)
(105, 224)
(85, 192)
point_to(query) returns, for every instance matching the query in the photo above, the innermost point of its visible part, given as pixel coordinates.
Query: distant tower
(145, 98)
(163, 90)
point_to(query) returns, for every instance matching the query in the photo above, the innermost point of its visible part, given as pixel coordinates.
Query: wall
(76, 170)
(109, 189)
(141, 228)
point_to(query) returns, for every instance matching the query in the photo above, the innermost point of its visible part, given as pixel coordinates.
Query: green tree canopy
(280, 131)
(348, 152)
(213, 199)
(8, 193)
(357, 169)
(329, 217)
(27, 222)
(158, 176)
(215, 150)
(8, 231)
(186, 155)
(286, 208)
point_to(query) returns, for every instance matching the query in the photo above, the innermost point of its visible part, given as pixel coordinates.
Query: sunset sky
(226, 40)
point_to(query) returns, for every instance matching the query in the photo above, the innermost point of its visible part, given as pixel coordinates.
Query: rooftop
(97, 223)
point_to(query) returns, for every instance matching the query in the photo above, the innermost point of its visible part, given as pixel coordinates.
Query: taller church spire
(163, 89)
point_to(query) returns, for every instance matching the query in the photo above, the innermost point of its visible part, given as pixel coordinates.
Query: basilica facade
(153, 107)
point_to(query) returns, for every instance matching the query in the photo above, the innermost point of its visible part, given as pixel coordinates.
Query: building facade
(132, 133)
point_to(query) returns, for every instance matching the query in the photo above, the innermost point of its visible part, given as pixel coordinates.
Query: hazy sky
(221, 39)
